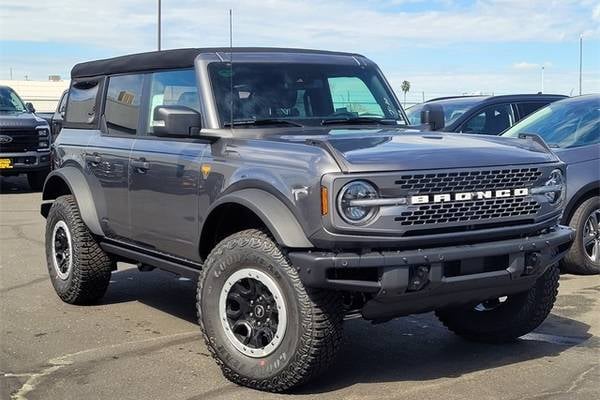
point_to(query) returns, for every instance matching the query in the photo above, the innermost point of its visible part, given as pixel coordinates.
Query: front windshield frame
(537, 121)
(394, 111)
(15, 101)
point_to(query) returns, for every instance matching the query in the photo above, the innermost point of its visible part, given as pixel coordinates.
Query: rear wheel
(263, 327)
(506, 318)
(36, 180)
(584, 255)
(79, 269)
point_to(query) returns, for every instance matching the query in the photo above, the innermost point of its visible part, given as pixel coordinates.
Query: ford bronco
(290, 185)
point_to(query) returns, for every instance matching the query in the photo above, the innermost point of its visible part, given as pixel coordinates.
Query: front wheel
(506, 318)
(263, 327)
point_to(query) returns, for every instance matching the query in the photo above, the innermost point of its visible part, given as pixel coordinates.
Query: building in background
(43, 94)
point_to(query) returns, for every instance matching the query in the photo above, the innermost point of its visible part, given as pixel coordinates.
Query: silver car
(571, 128)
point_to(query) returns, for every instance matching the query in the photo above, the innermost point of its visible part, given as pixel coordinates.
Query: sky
(442, 47)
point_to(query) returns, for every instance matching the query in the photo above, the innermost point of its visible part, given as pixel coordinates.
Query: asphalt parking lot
(142, 342)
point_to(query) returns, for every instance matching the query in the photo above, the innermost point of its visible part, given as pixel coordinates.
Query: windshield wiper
(262, 122)
(358, 120)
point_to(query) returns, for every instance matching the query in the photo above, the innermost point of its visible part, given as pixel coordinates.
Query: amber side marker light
(324, 201)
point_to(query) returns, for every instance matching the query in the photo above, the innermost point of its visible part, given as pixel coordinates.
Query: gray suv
(287, 183)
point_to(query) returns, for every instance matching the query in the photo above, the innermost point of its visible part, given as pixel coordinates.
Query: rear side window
(491, 120)
(527, 108)
(82, 102)
(122, 109)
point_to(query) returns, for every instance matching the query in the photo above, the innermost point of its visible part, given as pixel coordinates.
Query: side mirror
(176, 121)
(30, 107)
(433, 116)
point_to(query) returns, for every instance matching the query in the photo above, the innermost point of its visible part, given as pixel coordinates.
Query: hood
(370, 150)
(22, 120)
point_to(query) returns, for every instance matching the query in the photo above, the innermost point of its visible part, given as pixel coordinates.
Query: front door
(165, 174)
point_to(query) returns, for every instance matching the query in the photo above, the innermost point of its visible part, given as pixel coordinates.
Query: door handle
(93, 159)
(140, 165)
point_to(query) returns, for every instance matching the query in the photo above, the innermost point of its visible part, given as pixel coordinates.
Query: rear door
(165, 173)
(107, 155)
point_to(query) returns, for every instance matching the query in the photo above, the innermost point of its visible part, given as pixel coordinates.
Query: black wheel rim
(62, 250)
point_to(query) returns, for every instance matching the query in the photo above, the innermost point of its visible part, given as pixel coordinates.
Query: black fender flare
(74, 179)
(276, 216)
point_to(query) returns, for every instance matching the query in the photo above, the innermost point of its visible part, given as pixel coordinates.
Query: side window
(360, 102)
(491, 120)
(81, 104)
(122, 110)
(527, 108)
(172, 88)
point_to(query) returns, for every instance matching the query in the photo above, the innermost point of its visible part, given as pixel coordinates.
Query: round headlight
(357, 190)
(556, 180)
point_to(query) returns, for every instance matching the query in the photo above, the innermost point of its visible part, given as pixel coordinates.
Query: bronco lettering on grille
(466, 196)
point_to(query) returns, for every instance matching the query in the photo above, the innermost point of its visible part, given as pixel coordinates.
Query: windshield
(453, 109)
(568, 123)
(306, 94)
(9, 101)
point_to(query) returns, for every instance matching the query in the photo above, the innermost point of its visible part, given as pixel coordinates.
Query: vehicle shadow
(14, 185)
(414, 348)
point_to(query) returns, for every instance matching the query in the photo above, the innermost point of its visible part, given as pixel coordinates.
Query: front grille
(22, 141)
(469, 211)
(448, 182)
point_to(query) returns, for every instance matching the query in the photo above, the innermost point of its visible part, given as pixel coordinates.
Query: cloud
(523, 65)
(337, 24)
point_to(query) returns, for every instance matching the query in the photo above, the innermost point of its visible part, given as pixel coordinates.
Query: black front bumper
(455, 274)
(25, 162)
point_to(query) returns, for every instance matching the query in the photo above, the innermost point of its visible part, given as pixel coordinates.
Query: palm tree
(405, 88)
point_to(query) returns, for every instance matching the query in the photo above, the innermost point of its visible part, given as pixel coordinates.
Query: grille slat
(469, 211)
(448, 182)
(22, 141)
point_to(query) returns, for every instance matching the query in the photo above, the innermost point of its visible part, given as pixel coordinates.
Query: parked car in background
(24, 140)
(571, 128)
(55, 119)
(488, 115)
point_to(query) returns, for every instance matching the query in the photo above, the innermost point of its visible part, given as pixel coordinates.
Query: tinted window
(172, 88)
(308, 93)
(491, 121)
(568, 123)
(527, 108)
(81, 104)
(122, 110)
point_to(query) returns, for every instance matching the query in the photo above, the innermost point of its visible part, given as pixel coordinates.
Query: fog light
(419, 276)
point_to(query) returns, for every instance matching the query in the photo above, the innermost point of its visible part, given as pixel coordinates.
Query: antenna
(231, 67)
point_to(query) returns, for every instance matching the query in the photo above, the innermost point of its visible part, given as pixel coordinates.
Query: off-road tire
(576, 261)
(90, 274)
(36, 180)
(519, 315)
(314, 322)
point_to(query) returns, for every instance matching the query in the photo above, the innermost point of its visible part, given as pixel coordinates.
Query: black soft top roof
(171, 59)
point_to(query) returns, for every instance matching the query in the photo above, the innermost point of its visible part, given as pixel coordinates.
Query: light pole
(543, 68)
(159, 10)
(580, 62)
